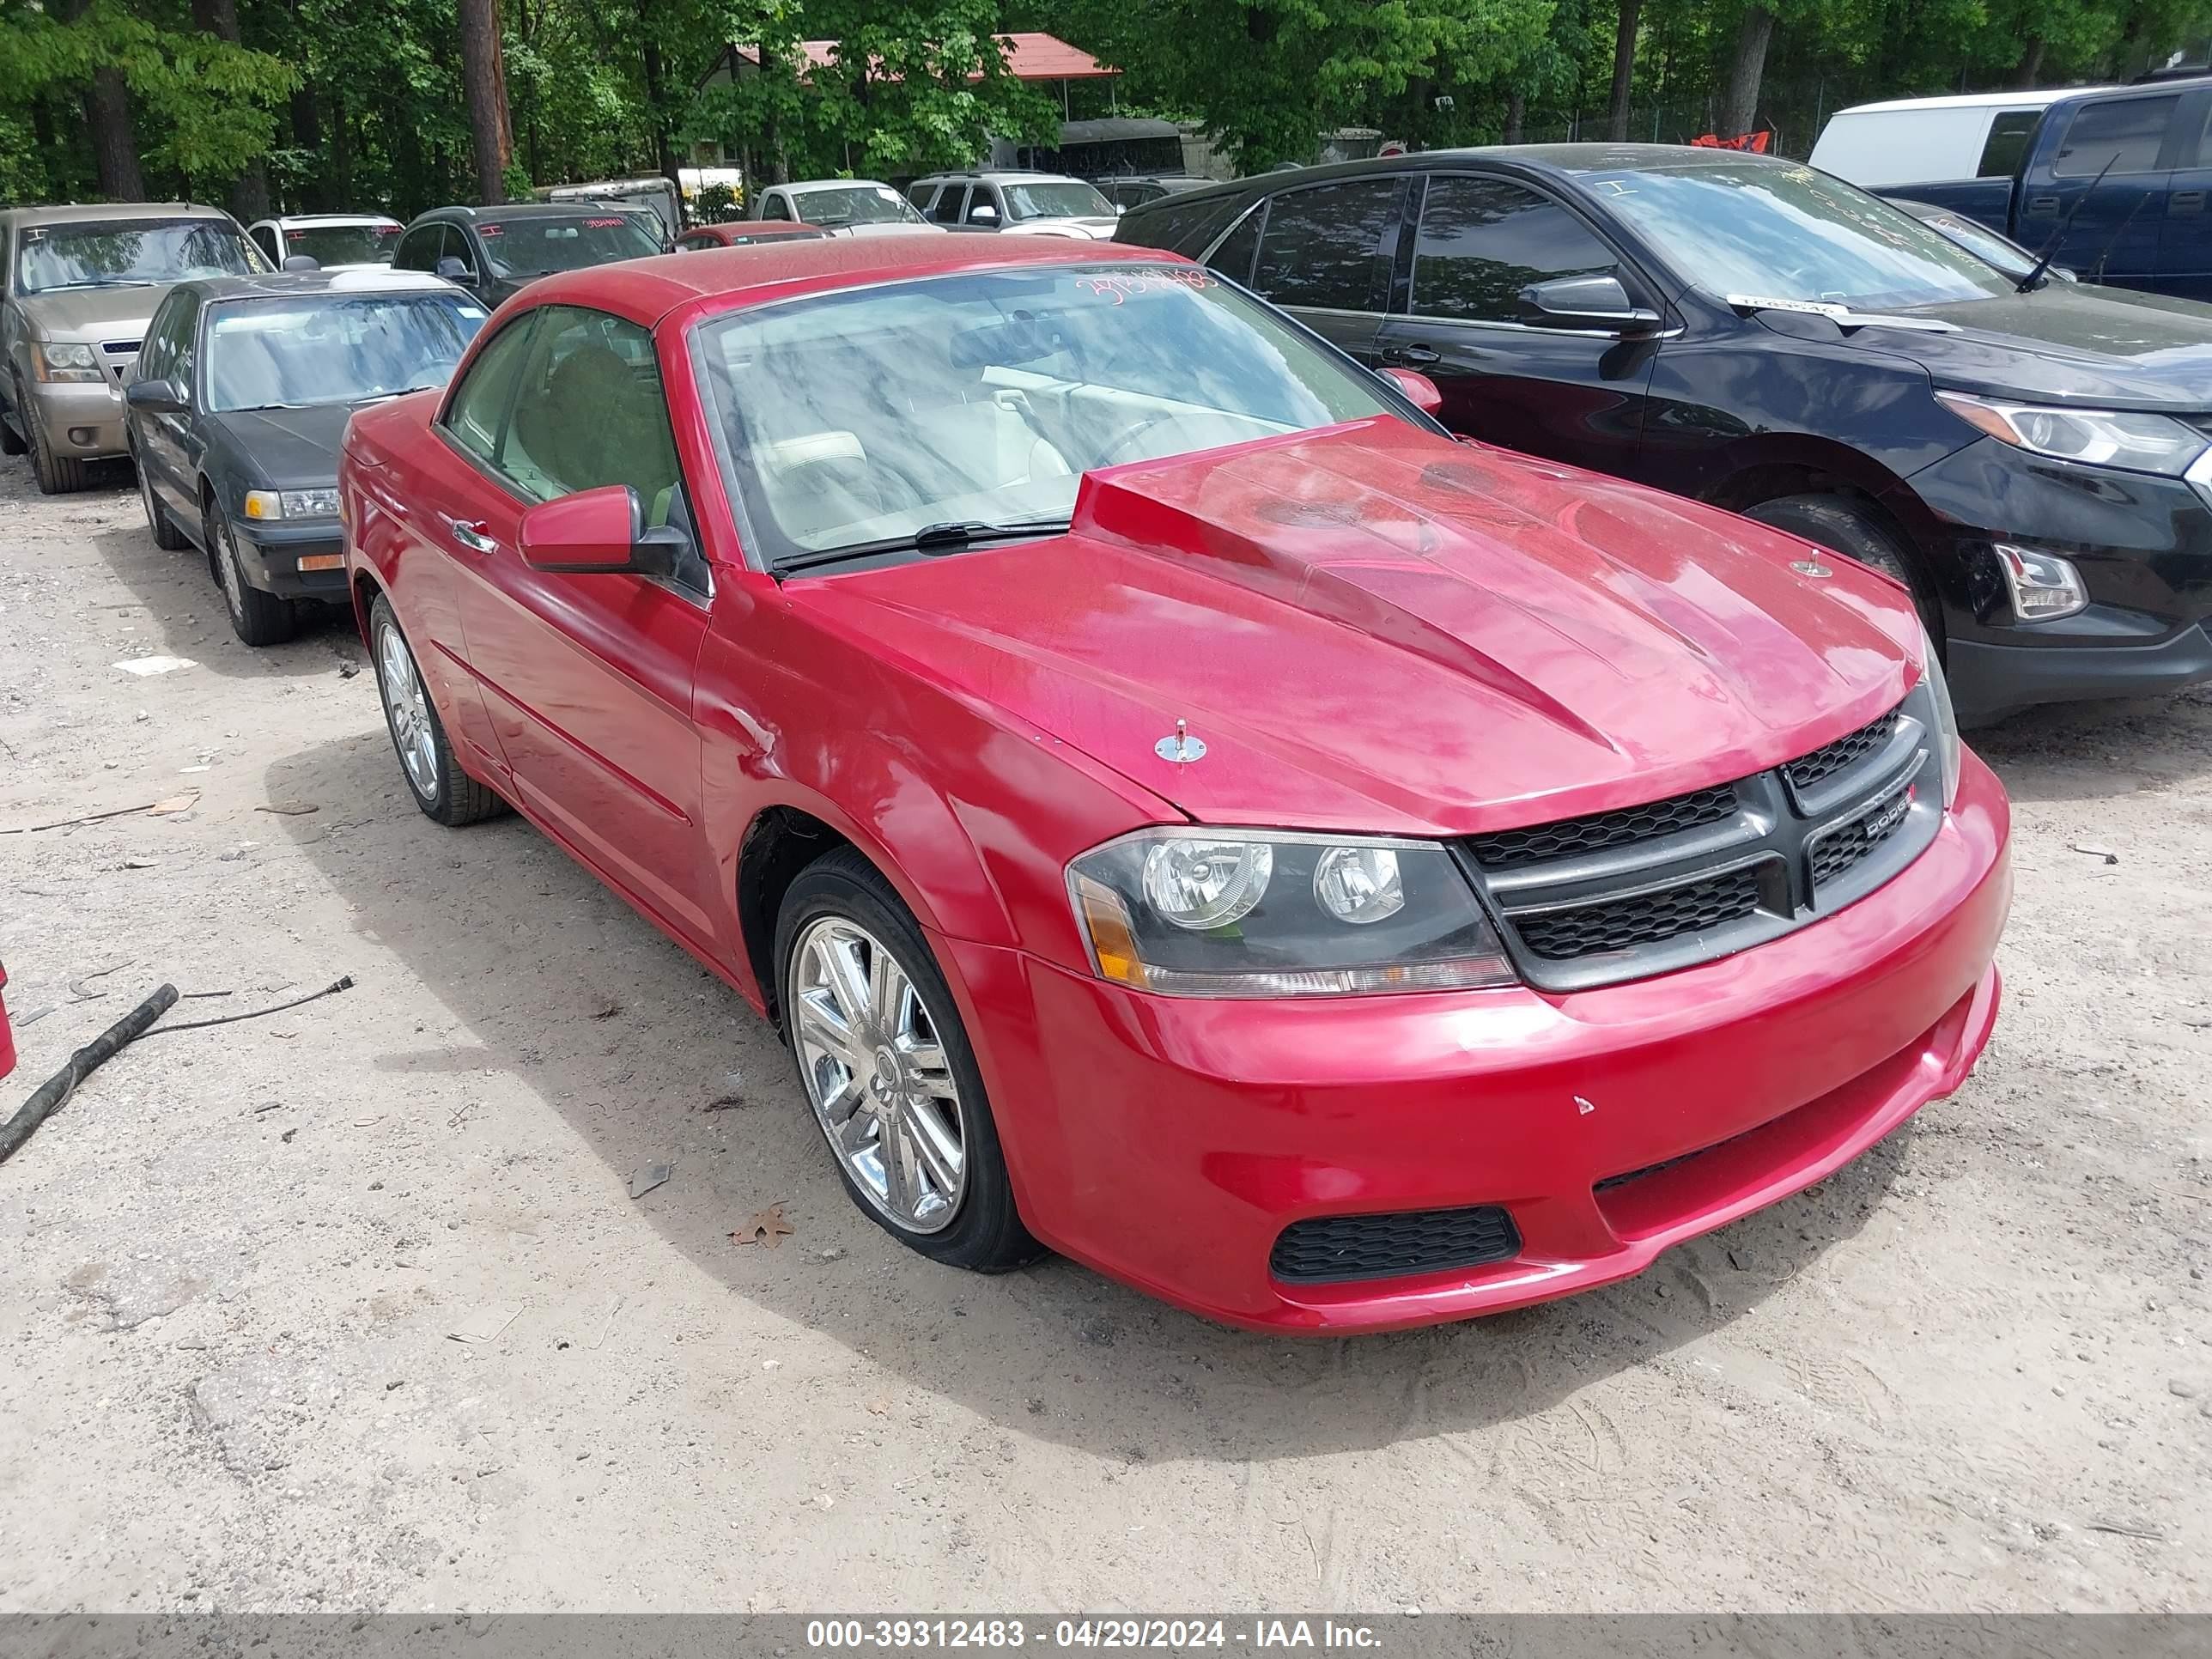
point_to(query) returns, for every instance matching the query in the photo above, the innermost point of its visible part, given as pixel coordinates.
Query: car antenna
(2036, 272)
(2096, 265)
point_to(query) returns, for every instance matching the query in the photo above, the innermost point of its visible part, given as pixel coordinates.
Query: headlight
(291, 504)
(56, 361)
(1218, 913)
(1947, 720)
(2138, 443)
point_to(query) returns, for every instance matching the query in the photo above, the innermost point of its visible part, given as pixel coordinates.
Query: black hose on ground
(59, 1087)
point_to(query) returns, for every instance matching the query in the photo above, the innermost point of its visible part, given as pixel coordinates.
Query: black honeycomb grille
(1808, 771)
(1512, 849)
(1646, 918)
(1338, 1247)
(1841, 850)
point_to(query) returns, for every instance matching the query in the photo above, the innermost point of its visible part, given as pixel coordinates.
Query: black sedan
(496, 252)
(2032, 457)
(241, 397)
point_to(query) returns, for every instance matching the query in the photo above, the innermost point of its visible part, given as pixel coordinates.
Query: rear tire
(255, 617)
(434, 775)
(57, 475)
(917, 1046)
(167, 536)
(1833, 522)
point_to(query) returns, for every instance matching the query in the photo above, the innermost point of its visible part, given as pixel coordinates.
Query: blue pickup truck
(2146, 224)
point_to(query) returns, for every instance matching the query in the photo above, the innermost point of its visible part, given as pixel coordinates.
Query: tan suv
(77, 286)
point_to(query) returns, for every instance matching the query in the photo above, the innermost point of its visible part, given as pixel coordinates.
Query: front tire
(57, 475)
(255, 617)
(887, 1067)
(434, 775)
(1835, 523)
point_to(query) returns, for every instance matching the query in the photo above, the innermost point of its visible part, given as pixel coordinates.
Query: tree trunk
(1624, 71)
(308, 135)
(1517, 110)
(778, 169)
(341, 174)
(483, 76)
(664, 158)
(249, 191)
(1739, 111)
(2031, 62)
(107, 118)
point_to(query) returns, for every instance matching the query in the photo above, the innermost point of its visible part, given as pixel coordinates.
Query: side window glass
(2007, 143)
(774, 209)
(1329, 247)
(1233, 258)
(946, 211)
(1483, 240)
(591, 412)
(266, 236)
(182, 326)
(2128, 132)
(418, 249)
(477, 417)
(150, 353)
(986, 196)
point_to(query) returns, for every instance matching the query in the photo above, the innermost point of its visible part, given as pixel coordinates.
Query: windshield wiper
(930, 538)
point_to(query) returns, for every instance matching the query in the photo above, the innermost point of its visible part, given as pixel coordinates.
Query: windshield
(1983, 243)
(132, 253)
(855, 204)
(1063, 199)
(298, 353)
(850, 418)
(540, 244)
(1773, 232)
(344, 245)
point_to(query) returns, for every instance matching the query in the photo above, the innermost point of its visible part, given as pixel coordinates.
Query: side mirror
(452, 269)
(302, 262)
(1588, 302)
(154, 397)
(597, 532)
(982, 214)
(1418, 389)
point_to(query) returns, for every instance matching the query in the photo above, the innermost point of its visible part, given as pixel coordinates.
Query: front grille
(121, 347)
(1646, 918)
(1621, 895)
(1333, 1249)
(1515, 849)
(1849, 750)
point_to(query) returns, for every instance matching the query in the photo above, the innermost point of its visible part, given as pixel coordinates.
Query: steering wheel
(1111, 455)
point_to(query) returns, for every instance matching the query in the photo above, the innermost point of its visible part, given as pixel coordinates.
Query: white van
(1910, 140)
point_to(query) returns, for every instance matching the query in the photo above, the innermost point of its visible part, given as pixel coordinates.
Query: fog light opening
(82, 436)
(2044, 586)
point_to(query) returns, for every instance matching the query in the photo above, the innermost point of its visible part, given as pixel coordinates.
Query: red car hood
(1373, 629)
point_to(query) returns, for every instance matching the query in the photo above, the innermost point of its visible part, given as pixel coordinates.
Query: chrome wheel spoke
(845, 978)
(902, 1187)
(934, 1144)
(821, 1025)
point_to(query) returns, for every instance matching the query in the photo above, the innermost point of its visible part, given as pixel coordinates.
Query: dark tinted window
(154, 356)
(477, 414)
(775, 208)
(2128, 132)
(1483, 240)
(1233, 258)
(265, 236)
(1182, 226)
(1329, 245)
(946, 211)
(419, 248)
(2008, 143)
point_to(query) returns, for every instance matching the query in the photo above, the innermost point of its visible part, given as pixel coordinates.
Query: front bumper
(1169, 1143)
(271, 549)
(80, 419)
(2142, 545)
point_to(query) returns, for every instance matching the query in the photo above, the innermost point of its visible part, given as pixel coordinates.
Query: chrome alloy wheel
(407, 706)
(878, 1079)
(226, 565)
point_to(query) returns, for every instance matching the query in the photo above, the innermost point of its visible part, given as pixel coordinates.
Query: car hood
(94, 313)
(2068, 343)
(1098, 230)
(288, 448)
(1373, 627)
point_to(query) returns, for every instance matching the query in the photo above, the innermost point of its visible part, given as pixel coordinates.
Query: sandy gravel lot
(1973, 1371)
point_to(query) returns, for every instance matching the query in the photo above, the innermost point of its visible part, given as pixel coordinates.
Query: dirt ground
(1971, 1372)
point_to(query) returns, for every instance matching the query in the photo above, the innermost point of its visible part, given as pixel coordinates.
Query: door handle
(1419, 356)
(2043, 205)
(470, 536)
(2185, 201)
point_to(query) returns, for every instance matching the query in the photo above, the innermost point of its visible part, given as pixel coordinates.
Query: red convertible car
(1180, 807)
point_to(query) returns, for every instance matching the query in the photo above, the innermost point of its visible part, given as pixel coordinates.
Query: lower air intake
(1333, 1248)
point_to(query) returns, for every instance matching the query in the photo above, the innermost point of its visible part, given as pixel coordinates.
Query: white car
(334, 241)
(1913, 141)
(843, 207)
(1021, 204)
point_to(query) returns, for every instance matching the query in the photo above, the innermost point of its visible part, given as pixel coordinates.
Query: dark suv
(2029, 458)
(495, 252)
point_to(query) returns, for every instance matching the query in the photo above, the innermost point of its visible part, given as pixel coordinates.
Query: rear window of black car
(1176, 223)
(1329, 247)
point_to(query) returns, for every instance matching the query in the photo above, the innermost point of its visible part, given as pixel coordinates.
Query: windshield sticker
(602, 224)
(1121, 285)
(491, 230)
(1817, 307)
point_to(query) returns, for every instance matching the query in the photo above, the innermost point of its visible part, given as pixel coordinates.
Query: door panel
(2115, 228)
(2185, 237)
(1578, 397)
(588, 678)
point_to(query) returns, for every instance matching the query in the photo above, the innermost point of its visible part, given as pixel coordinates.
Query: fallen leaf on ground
(769, 1227)
(290, 809)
